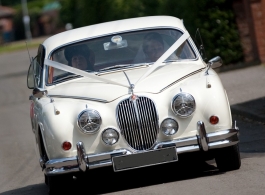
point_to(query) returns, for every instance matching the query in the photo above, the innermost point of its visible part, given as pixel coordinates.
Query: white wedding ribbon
(79, 72)
(170, 50)
(76, 71)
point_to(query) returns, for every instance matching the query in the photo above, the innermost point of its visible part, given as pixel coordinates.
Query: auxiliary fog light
(66, 145)
(169, 126)
(110, 136)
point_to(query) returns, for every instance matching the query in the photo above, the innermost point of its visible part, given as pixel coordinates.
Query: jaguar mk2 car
(127, 94)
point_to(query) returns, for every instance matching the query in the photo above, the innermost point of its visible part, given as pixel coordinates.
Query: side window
(199, 44)
(30, 77)
(35, 70)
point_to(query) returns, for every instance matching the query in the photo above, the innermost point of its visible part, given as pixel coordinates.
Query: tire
(228, 158)
(46, 179)
(58, 183)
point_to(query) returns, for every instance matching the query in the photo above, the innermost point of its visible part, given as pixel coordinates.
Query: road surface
(20, 172)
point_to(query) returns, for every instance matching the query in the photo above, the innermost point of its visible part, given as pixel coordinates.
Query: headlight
(89, 121)
(169, 126)
(110, 136)
(183, 104)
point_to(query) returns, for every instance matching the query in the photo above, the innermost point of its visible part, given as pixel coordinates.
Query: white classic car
(128, 94)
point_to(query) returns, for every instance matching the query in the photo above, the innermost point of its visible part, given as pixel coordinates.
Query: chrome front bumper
(83, 161)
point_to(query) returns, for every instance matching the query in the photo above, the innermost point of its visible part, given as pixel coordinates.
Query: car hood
(88, 88)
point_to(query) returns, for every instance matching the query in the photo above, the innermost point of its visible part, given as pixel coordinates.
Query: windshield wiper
(116, 66)
(170, 61)
(67, 77)
(124, 66)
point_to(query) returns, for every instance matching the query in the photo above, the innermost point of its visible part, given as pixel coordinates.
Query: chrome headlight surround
(110, 136)
(169, 126)
(89, 121)
(183, 104)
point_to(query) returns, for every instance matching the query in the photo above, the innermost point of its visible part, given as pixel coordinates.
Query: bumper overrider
(201, 142)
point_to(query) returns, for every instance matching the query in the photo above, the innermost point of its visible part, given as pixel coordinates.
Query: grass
(20, 45)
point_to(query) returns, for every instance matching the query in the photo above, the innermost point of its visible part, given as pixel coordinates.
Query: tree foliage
(214, 18)
(34, 10)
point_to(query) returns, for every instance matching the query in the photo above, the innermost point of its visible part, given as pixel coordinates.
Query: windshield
(118, 51)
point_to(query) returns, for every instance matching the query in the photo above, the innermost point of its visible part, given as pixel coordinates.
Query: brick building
(250, 18)
(6, 24)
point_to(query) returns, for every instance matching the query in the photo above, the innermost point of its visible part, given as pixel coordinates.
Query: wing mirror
(34, 74)
(214, 63)
(39, 93)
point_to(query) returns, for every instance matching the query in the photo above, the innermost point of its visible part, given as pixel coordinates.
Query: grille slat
(146, 107)
(147, 115)
(138, 122)
(124, 113)
(152, 110)
(133, 128)
(145, 121)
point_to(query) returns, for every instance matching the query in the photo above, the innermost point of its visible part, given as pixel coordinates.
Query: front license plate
(144, 159)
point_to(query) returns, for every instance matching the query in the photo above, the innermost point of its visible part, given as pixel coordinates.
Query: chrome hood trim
(175, 82)
(90, 89)
(78, 97)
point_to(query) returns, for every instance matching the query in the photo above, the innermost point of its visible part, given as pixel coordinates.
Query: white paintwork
(63, 127)
(109, 92)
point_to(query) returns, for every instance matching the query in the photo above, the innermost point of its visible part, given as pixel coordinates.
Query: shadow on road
(250, 117)
(254, 109)
(251, 136)
(104, 180)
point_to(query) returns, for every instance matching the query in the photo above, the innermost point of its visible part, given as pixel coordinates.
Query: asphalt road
(20, 172)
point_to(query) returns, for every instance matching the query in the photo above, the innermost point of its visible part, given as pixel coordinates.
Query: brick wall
(258, 14)
(250, 19)
(262, 39)
(243, 28)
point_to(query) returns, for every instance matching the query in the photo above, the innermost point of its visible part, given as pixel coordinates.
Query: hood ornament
(131, 87)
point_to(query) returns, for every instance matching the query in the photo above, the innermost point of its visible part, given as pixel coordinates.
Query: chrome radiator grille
(138, 122)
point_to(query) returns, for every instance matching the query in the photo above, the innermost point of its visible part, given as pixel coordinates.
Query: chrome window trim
(80, 97)
(103, 35)
(43, 83)
(190, 41)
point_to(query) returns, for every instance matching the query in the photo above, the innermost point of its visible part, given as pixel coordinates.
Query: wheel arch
(42, 145)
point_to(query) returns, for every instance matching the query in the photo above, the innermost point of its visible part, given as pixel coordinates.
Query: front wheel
(228, 158)
(56, 184)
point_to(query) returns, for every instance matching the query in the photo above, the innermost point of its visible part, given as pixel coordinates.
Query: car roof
(96, 30)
